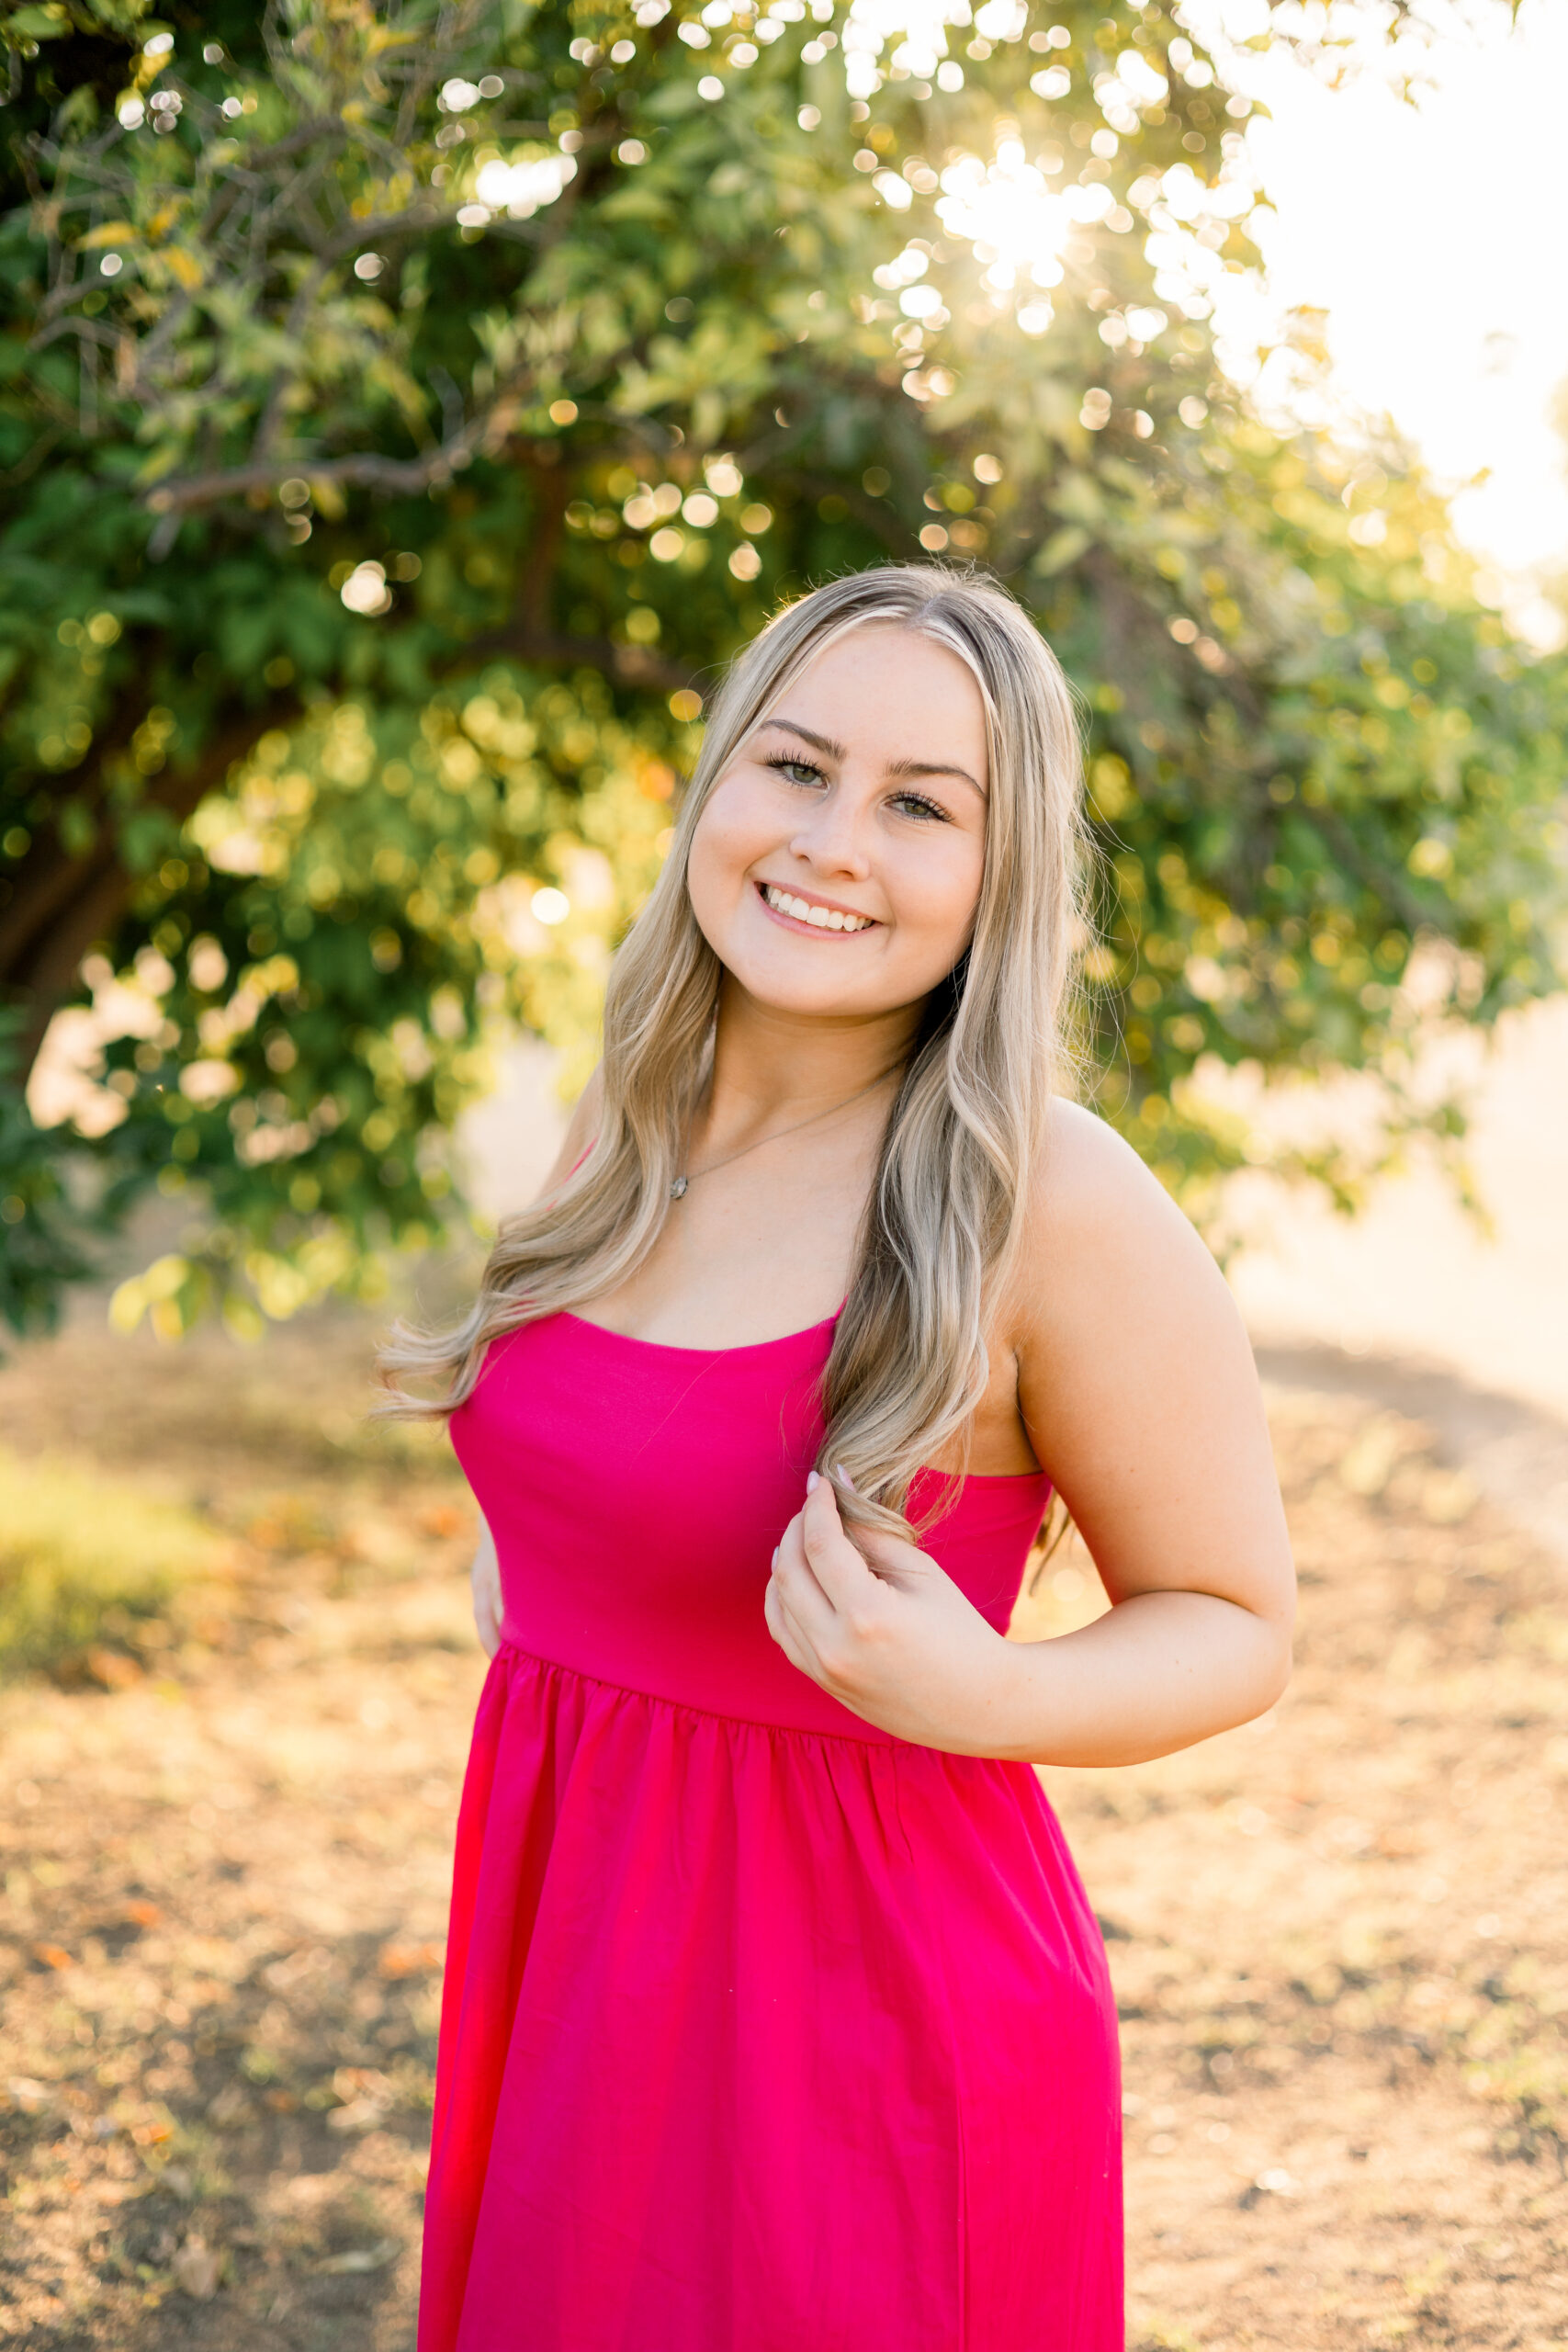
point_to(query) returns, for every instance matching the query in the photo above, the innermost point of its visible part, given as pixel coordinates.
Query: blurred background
(404, 411)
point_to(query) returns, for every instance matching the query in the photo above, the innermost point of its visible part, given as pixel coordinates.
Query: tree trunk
(61, 904)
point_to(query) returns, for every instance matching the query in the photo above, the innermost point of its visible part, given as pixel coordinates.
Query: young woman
(775, 2017)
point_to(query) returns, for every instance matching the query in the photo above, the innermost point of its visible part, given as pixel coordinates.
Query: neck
(772, 1066)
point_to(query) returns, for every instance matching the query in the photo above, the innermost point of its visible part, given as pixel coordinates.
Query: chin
(779, 983)
(803, 992)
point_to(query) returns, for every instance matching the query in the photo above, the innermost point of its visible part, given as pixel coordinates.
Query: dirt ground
(1339, 1936)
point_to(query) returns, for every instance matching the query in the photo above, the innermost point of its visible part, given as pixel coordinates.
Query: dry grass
(1338, 1938)
(77, 1603)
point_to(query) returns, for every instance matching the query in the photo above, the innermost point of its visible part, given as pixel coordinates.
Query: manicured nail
(811, 1482)
(843, 1476)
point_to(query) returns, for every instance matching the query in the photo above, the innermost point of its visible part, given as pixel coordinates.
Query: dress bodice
(635, 1493)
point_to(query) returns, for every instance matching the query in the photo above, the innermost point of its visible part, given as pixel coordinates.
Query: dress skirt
(763, 2040)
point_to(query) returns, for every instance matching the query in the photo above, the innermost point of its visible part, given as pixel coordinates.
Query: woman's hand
(885, 1631)
(484, 1577)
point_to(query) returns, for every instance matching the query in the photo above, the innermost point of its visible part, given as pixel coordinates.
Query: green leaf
(1063, 547)
(49, 22)
(1307, 754)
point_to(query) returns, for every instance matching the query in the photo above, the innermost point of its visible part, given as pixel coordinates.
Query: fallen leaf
(443, 1519)
(410, 1960)
(361, 2082)
(52, 1956)
(229, 2107)
(196, 2269)
(364, 2257)
(111, 1669)
(1275, 2182)
(359, 2115)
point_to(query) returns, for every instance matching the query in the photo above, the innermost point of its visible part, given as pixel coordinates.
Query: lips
(814, 912)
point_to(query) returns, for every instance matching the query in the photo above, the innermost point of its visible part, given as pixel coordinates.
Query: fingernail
(843, 1476)
(811, 1481)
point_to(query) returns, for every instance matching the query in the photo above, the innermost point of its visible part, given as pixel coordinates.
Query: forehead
(892, 692)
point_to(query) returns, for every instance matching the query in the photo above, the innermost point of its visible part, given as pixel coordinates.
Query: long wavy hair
(960, 1152)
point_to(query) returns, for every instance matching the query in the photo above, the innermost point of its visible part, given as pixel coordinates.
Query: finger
(837, 1564)
(788, 1634)
(893, 1558)
(799, 1587)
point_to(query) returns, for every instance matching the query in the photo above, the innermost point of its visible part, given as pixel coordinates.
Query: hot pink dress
(763, 2031)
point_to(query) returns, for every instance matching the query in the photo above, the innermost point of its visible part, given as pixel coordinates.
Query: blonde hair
(960, 1149)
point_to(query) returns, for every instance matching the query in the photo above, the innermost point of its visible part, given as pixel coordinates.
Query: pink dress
(763, 2031)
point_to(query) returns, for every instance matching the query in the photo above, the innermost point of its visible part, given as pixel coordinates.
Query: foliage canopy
(403, 408)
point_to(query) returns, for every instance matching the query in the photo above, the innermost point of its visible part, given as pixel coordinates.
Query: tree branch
(633, 665)
(368, 471)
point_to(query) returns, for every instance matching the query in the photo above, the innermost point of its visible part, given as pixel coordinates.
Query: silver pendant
(678, 1188)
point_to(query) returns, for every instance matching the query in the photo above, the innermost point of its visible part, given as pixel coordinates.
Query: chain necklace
(678, 1188)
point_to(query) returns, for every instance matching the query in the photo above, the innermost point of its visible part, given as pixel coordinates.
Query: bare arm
(1137, 1389)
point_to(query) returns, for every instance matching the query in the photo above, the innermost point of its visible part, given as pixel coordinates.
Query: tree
(405, 407)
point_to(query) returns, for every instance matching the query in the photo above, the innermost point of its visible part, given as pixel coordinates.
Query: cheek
(938, 894)
(730, 834)
(738, 822)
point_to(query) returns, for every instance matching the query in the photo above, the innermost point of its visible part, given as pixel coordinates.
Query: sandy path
(1340, 1939)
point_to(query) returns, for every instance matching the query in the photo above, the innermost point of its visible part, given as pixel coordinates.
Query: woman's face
(836, 866)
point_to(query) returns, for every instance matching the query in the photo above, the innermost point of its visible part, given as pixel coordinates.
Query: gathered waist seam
(880, 1740)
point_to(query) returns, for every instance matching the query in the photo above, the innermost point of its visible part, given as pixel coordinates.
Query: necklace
(678, 1188)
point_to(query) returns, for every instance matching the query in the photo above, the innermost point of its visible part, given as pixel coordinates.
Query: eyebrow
(895, 767)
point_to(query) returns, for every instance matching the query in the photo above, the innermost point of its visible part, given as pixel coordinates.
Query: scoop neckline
(667, 1347)
(754, 1347)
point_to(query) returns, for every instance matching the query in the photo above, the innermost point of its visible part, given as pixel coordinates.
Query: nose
(829, 838)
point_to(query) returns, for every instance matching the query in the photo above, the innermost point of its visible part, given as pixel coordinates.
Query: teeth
(820, 918)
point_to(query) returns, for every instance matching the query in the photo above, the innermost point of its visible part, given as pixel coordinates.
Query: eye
(914, 804)
(798, 771)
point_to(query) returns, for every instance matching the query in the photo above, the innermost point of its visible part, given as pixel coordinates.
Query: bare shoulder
(1091, 1185)
(1103, 1241)
(1136, 1383)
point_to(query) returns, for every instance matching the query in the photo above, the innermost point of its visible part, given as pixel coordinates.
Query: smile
(812, 910)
